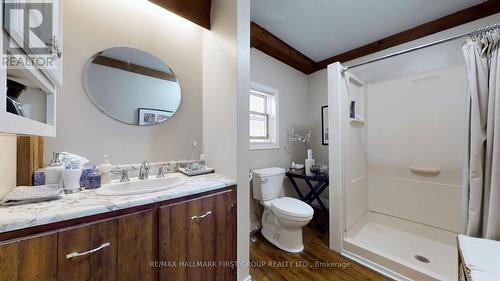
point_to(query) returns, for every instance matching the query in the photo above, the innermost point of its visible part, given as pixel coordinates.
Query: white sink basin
(136, 186)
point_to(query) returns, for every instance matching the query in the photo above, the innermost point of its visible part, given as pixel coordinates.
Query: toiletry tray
(196, 173)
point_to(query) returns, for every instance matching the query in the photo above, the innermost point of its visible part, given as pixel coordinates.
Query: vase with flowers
(305, 139)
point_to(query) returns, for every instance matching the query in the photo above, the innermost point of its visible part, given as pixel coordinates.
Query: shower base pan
(402, 249)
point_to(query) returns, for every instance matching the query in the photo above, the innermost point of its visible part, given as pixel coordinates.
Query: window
(263, 117)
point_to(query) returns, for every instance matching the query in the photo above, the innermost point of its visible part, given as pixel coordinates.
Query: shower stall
(398, 134)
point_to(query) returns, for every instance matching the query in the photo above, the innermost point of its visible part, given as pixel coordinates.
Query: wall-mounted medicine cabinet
(28, 88)
(48, 16)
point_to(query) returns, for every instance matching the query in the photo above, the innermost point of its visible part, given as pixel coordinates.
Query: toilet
(283, 217)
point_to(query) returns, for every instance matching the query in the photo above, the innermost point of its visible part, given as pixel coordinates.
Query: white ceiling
(321, 29)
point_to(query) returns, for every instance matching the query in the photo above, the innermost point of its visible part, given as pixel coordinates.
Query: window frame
(272, 117)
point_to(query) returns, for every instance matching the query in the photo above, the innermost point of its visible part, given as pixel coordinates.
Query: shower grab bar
(430, 171)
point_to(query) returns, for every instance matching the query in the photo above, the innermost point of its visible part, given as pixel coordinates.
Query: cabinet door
(19, 14)
(31, 259)
(225, 235)
(9, 257)
(136, 247)
(196, 239)
(38, 259)
(91, 250)
(103, 263)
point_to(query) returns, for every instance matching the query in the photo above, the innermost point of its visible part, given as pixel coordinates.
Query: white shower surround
(412, 121)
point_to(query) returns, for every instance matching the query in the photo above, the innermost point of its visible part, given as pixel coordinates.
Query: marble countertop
(88, 203)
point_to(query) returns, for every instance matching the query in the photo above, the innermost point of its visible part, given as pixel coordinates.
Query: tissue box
(86, 174)
(39, 178)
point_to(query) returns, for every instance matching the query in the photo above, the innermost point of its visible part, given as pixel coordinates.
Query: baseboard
(378, 268)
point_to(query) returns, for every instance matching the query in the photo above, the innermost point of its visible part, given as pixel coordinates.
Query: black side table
(322, 183)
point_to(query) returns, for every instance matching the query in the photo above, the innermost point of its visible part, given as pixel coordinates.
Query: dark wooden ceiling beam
(268, 43)
(197, 11)
(485, 9)
(134, 68)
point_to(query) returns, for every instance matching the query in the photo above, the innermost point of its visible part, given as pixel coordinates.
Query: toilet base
(283, 233)
(269, 237)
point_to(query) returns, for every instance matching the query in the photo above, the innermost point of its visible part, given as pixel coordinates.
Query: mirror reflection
(132, 86)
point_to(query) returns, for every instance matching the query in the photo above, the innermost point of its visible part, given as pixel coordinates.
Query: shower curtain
(481, 185)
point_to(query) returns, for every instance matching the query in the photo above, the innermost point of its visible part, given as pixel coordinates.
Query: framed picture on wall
(325, 135)
(149, 116)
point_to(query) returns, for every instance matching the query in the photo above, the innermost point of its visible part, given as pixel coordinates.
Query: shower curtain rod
(473, 34)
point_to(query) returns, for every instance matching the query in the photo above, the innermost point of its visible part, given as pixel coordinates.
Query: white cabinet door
(21, 13)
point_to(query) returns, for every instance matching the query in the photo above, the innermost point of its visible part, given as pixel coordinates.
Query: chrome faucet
(144, 171)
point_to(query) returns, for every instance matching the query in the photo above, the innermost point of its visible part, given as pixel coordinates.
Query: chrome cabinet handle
(202, 216)
(76, 254)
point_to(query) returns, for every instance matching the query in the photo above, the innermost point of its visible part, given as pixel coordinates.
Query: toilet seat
(291, 207)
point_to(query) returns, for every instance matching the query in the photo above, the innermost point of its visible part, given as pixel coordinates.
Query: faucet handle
(161, 171)
(124, 176)
(123, 173)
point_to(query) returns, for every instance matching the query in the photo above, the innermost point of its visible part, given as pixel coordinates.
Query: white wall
(220, 88)
(243, 128)
(293, 108)
(317, 89)
(226, 59)
(418, 121)
(81, 127)
(8, 164)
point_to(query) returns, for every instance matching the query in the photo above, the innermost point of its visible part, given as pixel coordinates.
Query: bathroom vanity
(185, 233)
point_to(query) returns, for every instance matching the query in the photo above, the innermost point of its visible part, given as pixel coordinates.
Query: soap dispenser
(53, 173)
(105, 169)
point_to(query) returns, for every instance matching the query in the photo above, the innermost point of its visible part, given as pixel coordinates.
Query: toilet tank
(267, 183)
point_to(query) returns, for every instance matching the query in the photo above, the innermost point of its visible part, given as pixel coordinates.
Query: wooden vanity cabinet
(197, 239)
(134, 244)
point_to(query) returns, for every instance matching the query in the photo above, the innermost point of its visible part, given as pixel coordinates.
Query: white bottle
(105, 169)
(309, 163)
(53, 173)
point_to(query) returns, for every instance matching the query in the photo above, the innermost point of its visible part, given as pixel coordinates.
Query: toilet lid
(292, 207)
(268, 172)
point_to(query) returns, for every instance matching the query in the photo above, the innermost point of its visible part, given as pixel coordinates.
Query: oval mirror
(132, 86)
